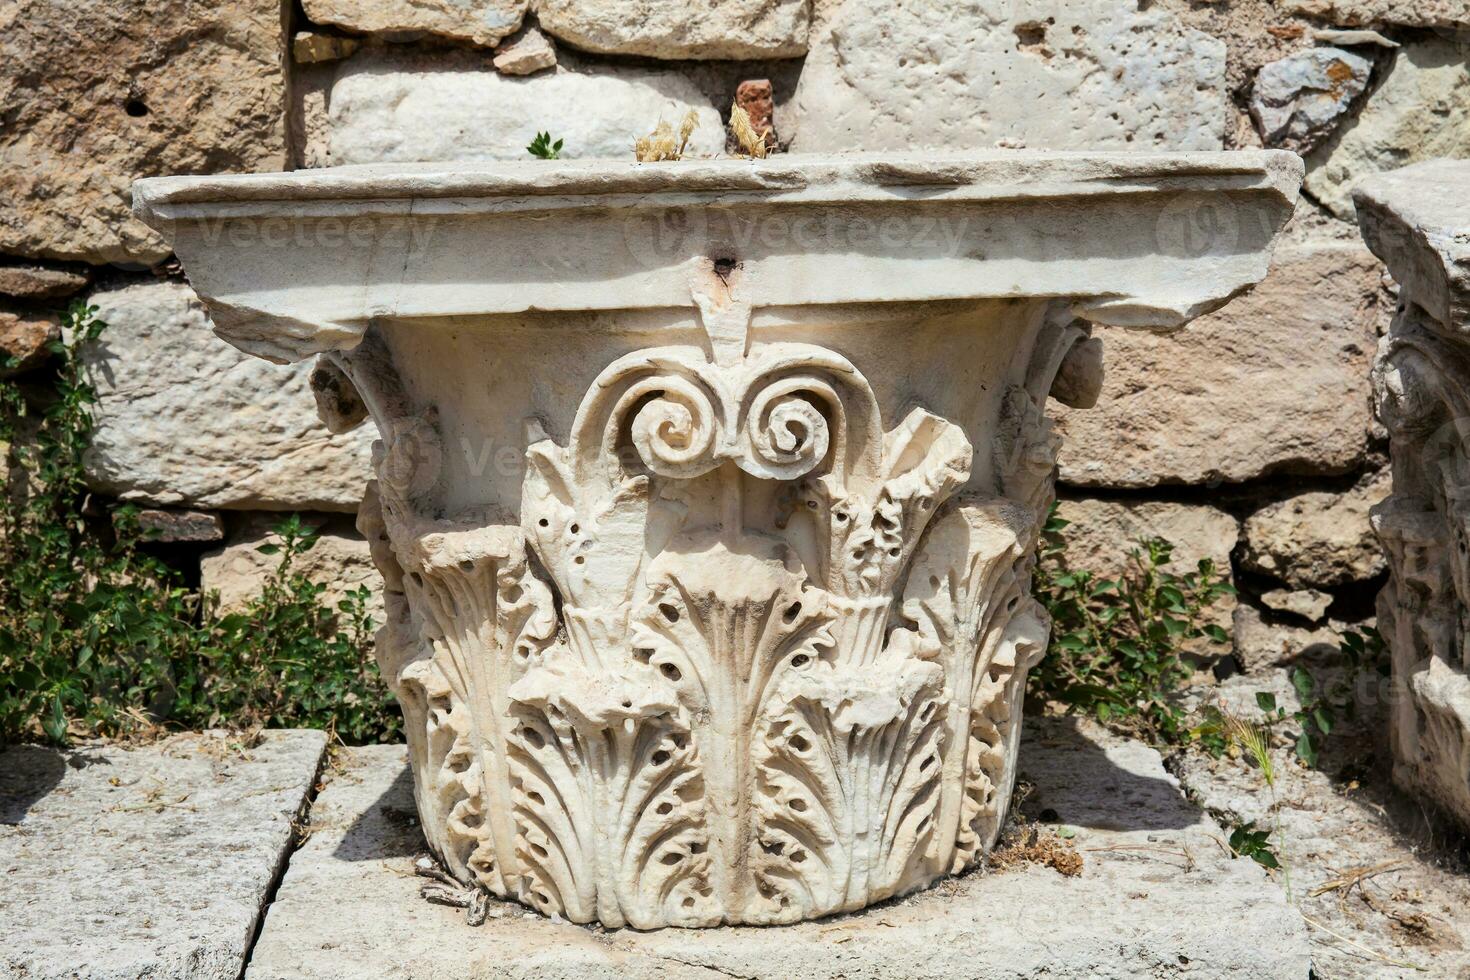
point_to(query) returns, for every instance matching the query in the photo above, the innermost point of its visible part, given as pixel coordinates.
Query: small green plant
(543, 148)
(98, 637)
(1118, 645)
(1247, 841)
(1322, 706)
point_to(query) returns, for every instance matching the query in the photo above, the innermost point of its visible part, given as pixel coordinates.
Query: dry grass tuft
(752, 143)
(662, 144)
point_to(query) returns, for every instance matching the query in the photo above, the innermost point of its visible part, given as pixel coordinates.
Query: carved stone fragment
(707, 494)
(1418, 221)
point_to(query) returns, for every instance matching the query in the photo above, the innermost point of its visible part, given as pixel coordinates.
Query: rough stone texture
(614, 571)
(387, 108)
(1261, 645)
(179, 525)
(1276, 382)
(1420, 111)
(1351, 38)
(1406, 916)
(1309, 604)
(100, 93)
(339, 560)
(24, 336)
(1418, 221)
(1298, 101)
(526, 53)
(1319, 538)
(1147, 854)
(960, 73)
(680, 28)
(313, 47)
(1102, 532)
(1403, 13)
(183, 419)
(34, 282)
(150, 862)
(481, 22)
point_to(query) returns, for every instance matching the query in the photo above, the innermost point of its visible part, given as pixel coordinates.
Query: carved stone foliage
(748, 657)
(1417, 221)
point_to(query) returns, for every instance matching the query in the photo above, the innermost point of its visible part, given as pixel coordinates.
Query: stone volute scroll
(708, 492)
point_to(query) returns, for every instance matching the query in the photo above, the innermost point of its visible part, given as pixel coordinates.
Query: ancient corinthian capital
(708, 491)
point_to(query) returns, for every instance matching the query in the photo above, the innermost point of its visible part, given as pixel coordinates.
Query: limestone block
(1298, 101)
(961, 73)
(482, 22)
(183, 419)
(1276, 382)
(708, 491)
(679, 28)
(1420, 111)
(1102, 532)
(183, 839)
(160, 525)
(1309, 604)
(339, 560)
(23, 337)
(1401, 13)
(392, 109)
(34, 282)
(525, 53)
(1262, 644)
(314, 47)
(100, 93)
(1119, 919)
(1318, 538)
(1418, 221)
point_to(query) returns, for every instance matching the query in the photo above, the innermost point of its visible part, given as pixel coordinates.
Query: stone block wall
(1248, 437)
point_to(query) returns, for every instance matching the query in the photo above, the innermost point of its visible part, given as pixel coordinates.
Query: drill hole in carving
(792, 611)
(671, 858)
(671, 672)
(669, 612)
(798, 743)
(800, 660)
(533, 738)
(798, 805)
(659, 757)
(664, 809)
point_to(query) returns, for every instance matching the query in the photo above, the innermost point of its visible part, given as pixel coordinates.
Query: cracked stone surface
(349, 906)
(149, 862)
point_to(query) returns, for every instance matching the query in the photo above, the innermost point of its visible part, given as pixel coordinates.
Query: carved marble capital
(708, 494)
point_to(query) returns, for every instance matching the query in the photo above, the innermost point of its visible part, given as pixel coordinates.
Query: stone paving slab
(153, 862)
(1158, 897)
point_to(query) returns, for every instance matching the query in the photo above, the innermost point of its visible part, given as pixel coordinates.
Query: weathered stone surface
(1276, 382)
(183, 419)
(680, 29)
(149, 862)
(24, 336)
(1403, 13)
(1340, 815)
(339, 560)
(959, 73)
(1318, 538)
(1418, 221)
(1298, 101)
(1261, 645)
(526, 53)
(314, 47)
(1419, 215)
(478, 21)
(390, 108)
(1102, 532)
(34, 282)
(179, 525)
(1420, 111)
(1119, 919)
(1327, 35)
(100, 93)
(1309, 604)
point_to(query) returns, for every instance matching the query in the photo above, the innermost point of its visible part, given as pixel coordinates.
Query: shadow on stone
(27, 774)
(389, 829)
(1109, 786)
